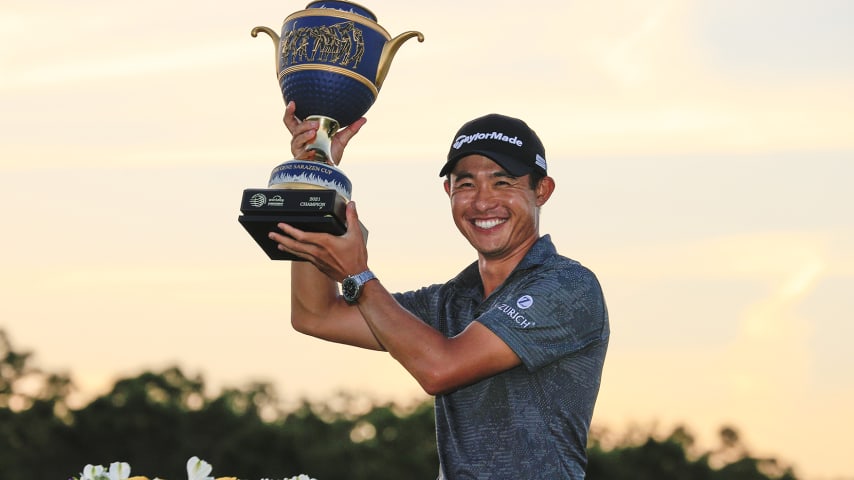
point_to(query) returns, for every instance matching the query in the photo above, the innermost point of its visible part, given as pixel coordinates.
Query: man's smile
(488, 223)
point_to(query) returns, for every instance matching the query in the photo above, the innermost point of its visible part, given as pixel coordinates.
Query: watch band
(362, 278)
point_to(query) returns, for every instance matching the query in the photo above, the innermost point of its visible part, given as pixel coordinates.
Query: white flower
(119, 471)
(198, 469)
(92, 472)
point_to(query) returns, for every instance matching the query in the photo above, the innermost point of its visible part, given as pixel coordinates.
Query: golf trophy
(331, 59)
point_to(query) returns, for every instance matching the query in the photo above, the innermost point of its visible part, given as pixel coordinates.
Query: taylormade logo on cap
(466, 139)
(519, 152)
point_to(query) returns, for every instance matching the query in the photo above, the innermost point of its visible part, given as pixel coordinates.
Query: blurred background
(703, 153)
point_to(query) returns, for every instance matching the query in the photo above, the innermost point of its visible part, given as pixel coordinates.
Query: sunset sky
(703, 152)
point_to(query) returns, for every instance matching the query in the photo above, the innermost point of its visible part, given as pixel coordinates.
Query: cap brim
(510, 164)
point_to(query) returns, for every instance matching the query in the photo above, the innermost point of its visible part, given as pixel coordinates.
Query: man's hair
(533, 179)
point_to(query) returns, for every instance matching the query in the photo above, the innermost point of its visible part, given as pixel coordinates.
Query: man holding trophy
(513, 346)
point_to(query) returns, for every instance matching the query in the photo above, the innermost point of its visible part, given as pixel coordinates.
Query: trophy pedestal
(311, 210)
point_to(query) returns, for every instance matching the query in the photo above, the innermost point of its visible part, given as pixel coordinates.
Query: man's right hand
(304, 132)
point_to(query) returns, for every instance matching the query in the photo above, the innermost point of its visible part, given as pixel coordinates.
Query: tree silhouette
(671, 459)
(157, 420)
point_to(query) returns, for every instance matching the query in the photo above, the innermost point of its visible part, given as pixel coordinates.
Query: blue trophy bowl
(327, 94)
(331, 60)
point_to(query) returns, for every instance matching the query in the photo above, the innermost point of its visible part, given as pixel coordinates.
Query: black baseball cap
(507, 141)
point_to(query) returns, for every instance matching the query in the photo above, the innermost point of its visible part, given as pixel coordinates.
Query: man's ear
(544, 190)
(448, 186)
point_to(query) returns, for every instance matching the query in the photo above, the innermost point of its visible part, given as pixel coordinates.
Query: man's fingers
(288, 244)
(296, 240)
(345, 134)
(291, 121)
(300, 142)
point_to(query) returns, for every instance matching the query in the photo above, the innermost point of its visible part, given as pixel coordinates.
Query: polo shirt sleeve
(422, 302)
(554, 313)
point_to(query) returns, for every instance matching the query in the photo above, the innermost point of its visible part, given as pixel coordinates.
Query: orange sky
(703, 152)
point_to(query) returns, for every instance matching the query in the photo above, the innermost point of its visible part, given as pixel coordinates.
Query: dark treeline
(157, 420)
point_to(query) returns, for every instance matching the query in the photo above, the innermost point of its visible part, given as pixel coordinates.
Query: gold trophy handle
(274, 36)
(389, 49)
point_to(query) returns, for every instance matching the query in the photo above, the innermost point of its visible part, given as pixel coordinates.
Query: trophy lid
(344, 6)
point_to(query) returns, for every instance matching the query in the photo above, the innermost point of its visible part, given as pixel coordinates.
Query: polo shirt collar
(539, 253)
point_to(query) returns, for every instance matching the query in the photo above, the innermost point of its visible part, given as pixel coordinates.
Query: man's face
(496, 212)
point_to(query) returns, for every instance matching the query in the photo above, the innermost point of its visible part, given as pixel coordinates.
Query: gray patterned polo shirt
(529, 422)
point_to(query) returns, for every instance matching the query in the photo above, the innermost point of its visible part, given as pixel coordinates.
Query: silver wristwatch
(351, 287)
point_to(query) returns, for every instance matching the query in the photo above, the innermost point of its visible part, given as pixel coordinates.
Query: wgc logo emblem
(258, 200)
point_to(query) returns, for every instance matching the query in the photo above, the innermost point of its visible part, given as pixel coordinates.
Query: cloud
(126, 65)
(760, 378)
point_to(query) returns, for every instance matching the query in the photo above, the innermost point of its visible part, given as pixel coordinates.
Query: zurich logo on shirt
(525, 301)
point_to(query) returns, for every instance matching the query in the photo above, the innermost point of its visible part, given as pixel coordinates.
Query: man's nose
(484, 198)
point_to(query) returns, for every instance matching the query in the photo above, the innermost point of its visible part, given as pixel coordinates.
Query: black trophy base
(309, 210)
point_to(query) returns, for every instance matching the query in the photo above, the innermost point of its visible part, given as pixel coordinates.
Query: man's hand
(304, 132)
(336, 256)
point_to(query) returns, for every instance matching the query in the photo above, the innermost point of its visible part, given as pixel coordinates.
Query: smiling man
(512, 347)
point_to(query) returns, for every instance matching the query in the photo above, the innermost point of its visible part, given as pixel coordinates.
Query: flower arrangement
(197, 469)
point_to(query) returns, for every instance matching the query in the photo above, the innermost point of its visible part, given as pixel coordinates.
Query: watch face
(349, 288)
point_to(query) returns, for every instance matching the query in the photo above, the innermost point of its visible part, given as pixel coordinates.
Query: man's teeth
(488, 223)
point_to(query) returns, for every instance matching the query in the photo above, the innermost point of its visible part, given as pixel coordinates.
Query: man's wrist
(352, 286)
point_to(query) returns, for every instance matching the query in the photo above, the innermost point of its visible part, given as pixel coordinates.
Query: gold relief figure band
(342, 44)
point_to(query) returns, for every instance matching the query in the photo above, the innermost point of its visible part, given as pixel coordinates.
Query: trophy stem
(322, 145)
